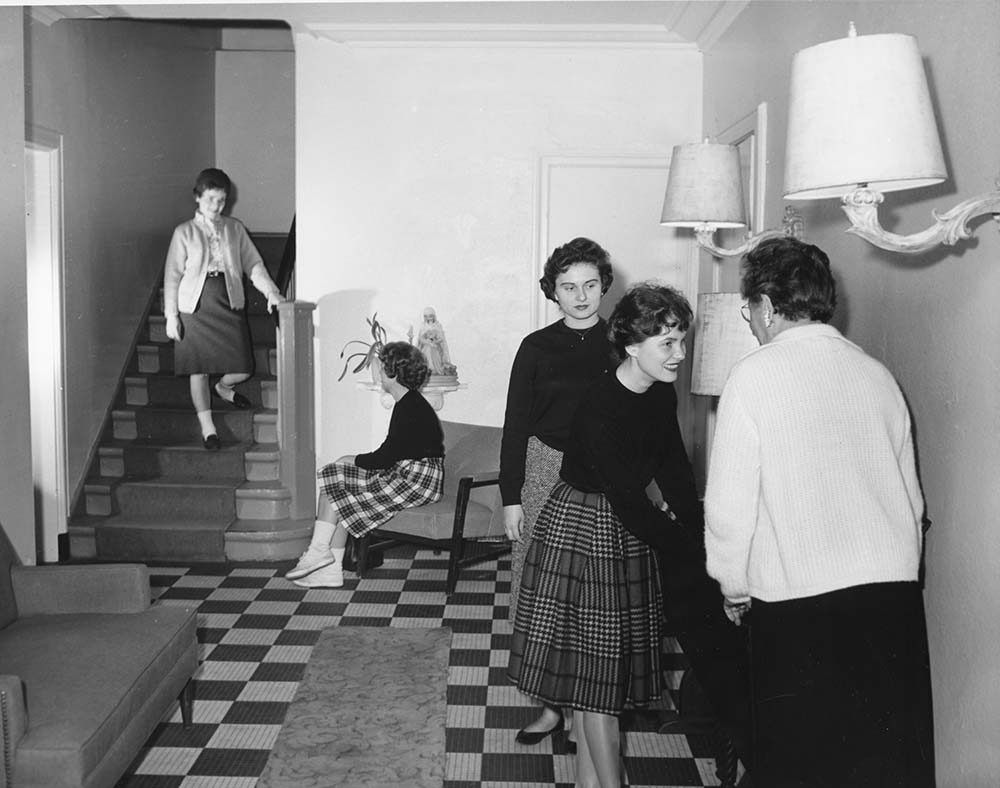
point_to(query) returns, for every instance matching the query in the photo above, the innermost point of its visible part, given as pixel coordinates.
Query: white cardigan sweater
(812, 485)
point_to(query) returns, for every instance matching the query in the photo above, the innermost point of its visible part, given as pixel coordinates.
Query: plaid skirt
(589, 616)
(365, 499)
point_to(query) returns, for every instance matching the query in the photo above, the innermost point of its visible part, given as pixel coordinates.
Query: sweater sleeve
(732, 496)
(253, 264)
(390, 451)
(609, 457)
(675, 476)
(173, 270)
(516, 426)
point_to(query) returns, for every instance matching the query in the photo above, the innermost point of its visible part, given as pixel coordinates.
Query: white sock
(338, 554)
(207, 425)
(322, 535)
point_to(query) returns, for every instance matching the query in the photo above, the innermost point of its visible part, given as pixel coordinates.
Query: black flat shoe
(533, 737)
(212, 442)
(241, 402)
(571, 747)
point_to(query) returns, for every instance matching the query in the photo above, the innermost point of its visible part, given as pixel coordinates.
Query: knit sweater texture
(812, 483)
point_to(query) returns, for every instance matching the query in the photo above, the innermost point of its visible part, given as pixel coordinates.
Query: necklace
(581, 332)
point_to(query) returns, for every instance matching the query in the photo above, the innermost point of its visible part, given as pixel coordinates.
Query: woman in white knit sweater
(813, 518)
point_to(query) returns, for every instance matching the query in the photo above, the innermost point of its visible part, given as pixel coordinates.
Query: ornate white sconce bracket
(861, 207)
(791, 226)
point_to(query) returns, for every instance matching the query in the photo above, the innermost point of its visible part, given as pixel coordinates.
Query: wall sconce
(860, 123)
(705, 192)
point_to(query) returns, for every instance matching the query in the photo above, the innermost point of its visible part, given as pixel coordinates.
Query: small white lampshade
(704, 187)
(721, 338)
(859, 112)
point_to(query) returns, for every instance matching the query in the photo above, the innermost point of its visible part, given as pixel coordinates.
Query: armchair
(467, 521)
(87, 669)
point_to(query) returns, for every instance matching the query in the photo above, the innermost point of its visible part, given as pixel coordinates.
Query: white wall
(932, 319)
(418, 171)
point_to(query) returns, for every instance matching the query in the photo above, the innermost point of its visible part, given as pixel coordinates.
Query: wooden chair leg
(187, 704)
(361, 554)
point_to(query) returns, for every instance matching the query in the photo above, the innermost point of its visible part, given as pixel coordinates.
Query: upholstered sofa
(87, 669)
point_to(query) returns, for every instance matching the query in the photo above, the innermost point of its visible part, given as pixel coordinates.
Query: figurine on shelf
(432, 343)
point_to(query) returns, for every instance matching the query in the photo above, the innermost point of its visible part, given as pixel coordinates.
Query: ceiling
(697, 23)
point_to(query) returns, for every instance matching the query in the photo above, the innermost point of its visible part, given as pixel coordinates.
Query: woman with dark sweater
(589, 617)
(358, 494)
(552, 369)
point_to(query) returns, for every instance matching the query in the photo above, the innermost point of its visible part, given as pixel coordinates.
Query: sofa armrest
(89, 588)
(13, 723)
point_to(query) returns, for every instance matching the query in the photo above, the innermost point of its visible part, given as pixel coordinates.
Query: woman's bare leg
(202, 402)
(599, 750)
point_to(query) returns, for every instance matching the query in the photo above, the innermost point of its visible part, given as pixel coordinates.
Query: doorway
(46, 363)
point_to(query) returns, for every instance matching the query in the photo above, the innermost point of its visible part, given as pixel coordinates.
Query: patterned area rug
(369, 712)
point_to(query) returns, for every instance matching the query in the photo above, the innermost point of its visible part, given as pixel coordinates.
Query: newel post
(296, 406)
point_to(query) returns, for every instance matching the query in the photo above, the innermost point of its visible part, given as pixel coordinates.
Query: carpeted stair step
(171, 391)
(158, 357)
(267, 540)
(179, 426)
(175, 498)
(148, 460)
(262, 328)
(122, 538)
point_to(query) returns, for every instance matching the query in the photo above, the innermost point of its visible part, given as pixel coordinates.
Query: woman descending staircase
(155, 494)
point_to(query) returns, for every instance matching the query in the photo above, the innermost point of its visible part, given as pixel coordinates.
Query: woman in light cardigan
(814, 524)
(204, 299)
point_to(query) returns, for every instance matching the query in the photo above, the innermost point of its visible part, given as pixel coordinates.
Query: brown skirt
(215, 339)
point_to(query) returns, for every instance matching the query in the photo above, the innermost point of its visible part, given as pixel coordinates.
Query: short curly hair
(796, 276)
(644, 311)
(212, 178)
(579, 250)
(405, 363)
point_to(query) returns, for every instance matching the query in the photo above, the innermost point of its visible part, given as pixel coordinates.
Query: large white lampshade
(704, 187)
(860, 113)
(721, 338)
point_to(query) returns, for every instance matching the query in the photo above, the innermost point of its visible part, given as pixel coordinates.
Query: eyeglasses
(745, 311)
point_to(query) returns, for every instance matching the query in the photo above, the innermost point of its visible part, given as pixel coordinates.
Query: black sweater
(414, 433)
(551, 371)
(620, 442)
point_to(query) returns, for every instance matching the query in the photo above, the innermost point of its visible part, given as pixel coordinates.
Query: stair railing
(296, 406)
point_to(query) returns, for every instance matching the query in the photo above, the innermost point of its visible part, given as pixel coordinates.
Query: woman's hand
(735, 609)
(513, 518)
(174, 328)
(273, 299)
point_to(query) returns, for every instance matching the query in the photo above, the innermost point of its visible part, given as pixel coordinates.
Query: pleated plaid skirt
(365, 499)
(589, 615)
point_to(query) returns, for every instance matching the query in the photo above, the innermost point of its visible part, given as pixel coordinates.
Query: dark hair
(579, 250)
(405, 363)
(644, 311)
(212, 178)
(796, 277)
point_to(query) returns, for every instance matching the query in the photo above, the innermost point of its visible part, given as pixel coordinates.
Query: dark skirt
(589, 616)
(841, 690)
(215, 339)
(365, 499)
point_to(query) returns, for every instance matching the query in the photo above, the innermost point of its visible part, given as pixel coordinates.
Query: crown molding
(464, 34)
(50, 14)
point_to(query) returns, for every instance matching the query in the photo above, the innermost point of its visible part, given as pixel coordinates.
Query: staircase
(155, 494)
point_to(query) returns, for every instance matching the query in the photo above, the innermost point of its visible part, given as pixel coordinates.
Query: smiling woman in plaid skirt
(358, 494)
(589, 617)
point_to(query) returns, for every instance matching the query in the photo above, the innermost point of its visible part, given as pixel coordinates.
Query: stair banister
(296, 406)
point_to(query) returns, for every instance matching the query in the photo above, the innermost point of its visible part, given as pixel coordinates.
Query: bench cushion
(88, 678)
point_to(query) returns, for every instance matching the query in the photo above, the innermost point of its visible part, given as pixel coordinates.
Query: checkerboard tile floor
(256, 631)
